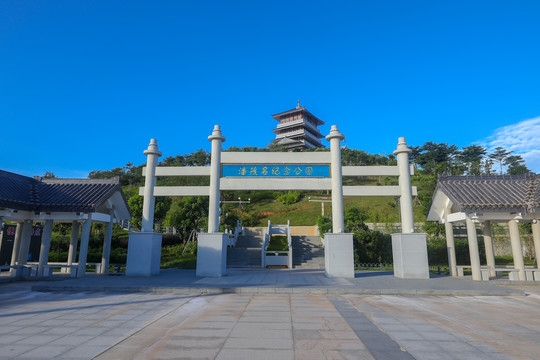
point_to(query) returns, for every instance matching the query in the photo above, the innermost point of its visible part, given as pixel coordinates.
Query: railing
(233, 235)
(273, 257)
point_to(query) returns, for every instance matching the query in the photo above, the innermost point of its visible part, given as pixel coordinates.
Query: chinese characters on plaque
(275, 170)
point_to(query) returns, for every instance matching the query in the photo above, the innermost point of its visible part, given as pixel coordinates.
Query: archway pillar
(144, 249)
(338, 248)
(211, 247)
(409, 249)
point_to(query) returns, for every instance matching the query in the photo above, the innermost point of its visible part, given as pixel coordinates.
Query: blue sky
(84, 85)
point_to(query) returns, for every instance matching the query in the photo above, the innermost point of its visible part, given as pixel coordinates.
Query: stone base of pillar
(144, 254)
(339, 255)
(211, 255)
(410, 256)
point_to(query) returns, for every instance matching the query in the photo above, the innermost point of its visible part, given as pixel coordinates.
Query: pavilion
(27, 200)
(484, 200)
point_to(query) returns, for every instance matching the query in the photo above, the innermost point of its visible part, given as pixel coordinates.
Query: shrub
(325, 224)
(289, 198)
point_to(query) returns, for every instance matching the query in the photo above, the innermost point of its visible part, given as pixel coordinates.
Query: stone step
(308, 252)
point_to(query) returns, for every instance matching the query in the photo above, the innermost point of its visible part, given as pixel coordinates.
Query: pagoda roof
(298, 110)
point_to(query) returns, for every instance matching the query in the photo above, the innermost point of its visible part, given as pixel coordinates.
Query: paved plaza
(150, 318)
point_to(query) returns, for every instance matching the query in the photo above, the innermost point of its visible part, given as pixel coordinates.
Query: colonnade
(515, 241)
(23, 234)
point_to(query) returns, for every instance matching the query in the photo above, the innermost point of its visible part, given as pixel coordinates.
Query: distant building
(298, 128)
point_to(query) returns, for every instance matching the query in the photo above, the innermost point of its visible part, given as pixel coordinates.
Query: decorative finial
(298, 106)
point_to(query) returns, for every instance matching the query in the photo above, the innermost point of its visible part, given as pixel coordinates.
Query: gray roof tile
(505, 193)
(54, 195)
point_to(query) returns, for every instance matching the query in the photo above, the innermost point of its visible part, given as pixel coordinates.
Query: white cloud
(522, 138)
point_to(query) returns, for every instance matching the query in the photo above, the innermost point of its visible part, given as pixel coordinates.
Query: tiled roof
(54, 195)
(501, 193)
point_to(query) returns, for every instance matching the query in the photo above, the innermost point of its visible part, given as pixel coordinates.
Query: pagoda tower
(298, 129)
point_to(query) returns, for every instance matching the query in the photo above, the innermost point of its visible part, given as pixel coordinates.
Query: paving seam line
(379, 344)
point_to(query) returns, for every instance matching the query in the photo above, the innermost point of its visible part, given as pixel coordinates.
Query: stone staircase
(308, 252)
(247, 252)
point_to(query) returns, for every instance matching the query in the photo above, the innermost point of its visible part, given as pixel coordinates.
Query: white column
(335, 138)
(536, 238)
(215, 173)
(16, 247)
(450, 246)
(474, 254)
(517, 253)
(25, 242)
(107, 245)
(152, 154)
(45, 246)
(83, 252)
(488, 244)
(406, 201)
(73, 242)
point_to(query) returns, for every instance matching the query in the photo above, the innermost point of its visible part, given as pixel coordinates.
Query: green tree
(49, 175)
(516, 165)
(437, 158)
(471, 157)
(499, 155)
(187, 214)
(162, 205)
(355, 218)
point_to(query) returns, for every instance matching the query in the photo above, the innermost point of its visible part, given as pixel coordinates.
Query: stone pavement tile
(252, 343)
(103, 341)
(53, 322)
(248, 326)
(38, 339)
(44, 352)
(63, 330)
(71, 316)
(421, 345)
(456, 346)
(432, 355)
(438, 336)
(170, 354)
(266, 319)
(26, 322)
(350, 355)
(91, 330)
(83, 352)
(80, 323)
(261, 334)
(108, 323)
(218, 318)
(191, 343)
(299, 334)
(73, 340)
(403, 335)
(29, 330)
(327, 344)
(213, 325)
(10, 351)
(189, 332)
(251, 354)
(483, 347)
(120, 331)
(338, 334)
